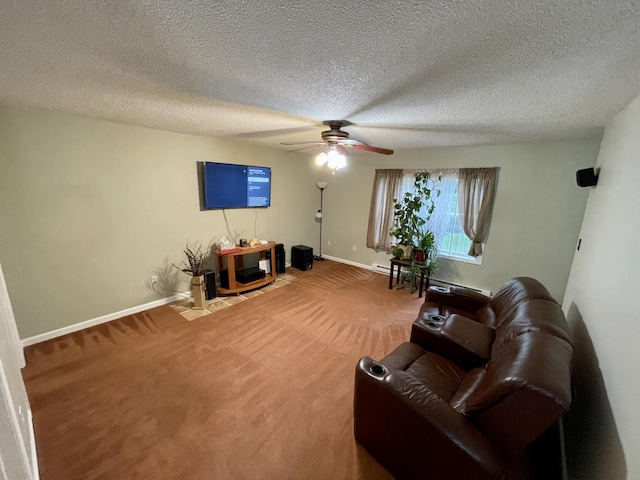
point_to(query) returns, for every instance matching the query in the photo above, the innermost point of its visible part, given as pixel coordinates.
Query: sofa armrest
(457, 297)
(475, 337)
(470, 294)
(413, 433)
(465, 342)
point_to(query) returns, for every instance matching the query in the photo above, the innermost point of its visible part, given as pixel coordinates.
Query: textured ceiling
(407, 73)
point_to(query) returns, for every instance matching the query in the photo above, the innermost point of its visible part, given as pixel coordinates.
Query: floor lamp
(321, 186)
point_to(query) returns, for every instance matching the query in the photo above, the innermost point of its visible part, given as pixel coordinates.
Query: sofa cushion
(536, 362)
(469, 383)
(404, 355)
(532, 316)
(440, 375)
(513, 293)
(486, 315)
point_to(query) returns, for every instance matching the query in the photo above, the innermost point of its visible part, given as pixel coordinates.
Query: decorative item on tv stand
(319, 218)
(193, 265)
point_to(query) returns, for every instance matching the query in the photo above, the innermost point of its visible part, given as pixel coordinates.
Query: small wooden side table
(407, 263)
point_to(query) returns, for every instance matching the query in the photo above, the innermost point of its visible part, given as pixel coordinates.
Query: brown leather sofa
(479, 381)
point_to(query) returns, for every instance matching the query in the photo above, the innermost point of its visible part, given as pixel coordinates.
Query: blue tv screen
(236, 186)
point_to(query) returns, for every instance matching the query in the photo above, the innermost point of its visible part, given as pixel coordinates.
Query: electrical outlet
(354, 248)
(328, 243)
(154, 279)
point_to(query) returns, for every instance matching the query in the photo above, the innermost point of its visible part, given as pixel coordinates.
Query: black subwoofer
(302, 257)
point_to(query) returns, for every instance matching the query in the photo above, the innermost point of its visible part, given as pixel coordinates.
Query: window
(445, 221)
(460, 220)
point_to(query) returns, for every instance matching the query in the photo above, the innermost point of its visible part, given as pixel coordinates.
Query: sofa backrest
(520, 392)
(531, 316)
(510, 295)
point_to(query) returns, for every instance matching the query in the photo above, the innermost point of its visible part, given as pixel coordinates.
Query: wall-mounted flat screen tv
(236, 186)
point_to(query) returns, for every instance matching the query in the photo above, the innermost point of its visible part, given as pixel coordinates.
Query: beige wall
(602, 304)
(90, 209)
(536, 218)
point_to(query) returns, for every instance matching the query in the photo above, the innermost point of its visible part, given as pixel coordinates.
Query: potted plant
(413, 211)
(193, 265)
(428, 245)
(397, 251)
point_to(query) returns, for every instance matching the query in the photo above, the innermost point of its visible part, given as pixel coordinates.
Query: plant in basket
(193, 265)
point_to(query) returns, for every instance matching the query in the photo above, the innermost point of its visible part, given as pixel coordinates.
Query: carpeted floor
(185, 307)
(260, 390)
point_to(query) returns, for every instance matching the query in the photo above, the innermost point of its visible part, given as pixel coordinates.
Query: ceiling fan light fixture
(335, 160)
(322, 158)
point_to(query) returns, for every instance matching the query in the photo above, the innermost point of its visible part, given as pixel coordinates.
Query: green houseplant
(414, 241)
(428, 246)
(412, 212)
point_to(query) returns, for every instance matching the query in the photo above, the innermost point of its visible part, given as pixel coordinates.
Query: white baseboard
(98, 320)
(379, 268)
(163, 301)
(32, 441)
(113, 316)
(348, 262)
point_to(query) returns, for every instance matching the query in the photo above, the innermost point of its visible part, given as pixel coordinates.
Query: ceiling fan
(339, 139)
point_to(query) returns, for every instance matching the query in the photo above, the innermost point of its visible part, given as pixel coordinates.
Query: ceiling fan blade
(369, 148)
(302, 143)
(365, 146)
(304, 148)
(273, 133)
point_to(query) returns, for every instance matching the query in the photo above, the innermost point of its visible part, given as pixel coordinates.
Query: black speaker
(224, 278)
(250, 274)
(302, 257)
(210, 290)
(586, 177)
(280, 258)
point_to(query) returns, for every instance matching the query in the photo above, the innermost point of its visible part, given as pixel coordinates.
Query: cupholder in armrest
(437, 318)
(377, 369)
(439, 289)
(434, 325)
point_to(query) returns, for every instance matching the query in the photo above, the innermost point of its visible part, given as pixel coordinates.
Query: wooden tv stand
(235, 260)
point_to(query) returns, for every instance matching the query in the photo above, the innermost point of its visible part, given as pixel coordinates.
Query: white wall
(602, 303)
(536, 218)
(90, 209)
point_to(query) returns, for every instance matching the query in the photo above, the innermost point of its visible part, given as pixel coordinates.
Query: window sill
(471, 260)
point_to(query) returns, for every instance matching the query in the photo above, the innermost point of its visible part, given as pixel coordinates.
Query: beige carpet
(185, 307)
(260, 390)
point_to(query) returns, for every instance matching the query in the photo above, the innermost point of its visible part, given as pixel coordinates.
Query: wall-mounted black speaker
(586, 177)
